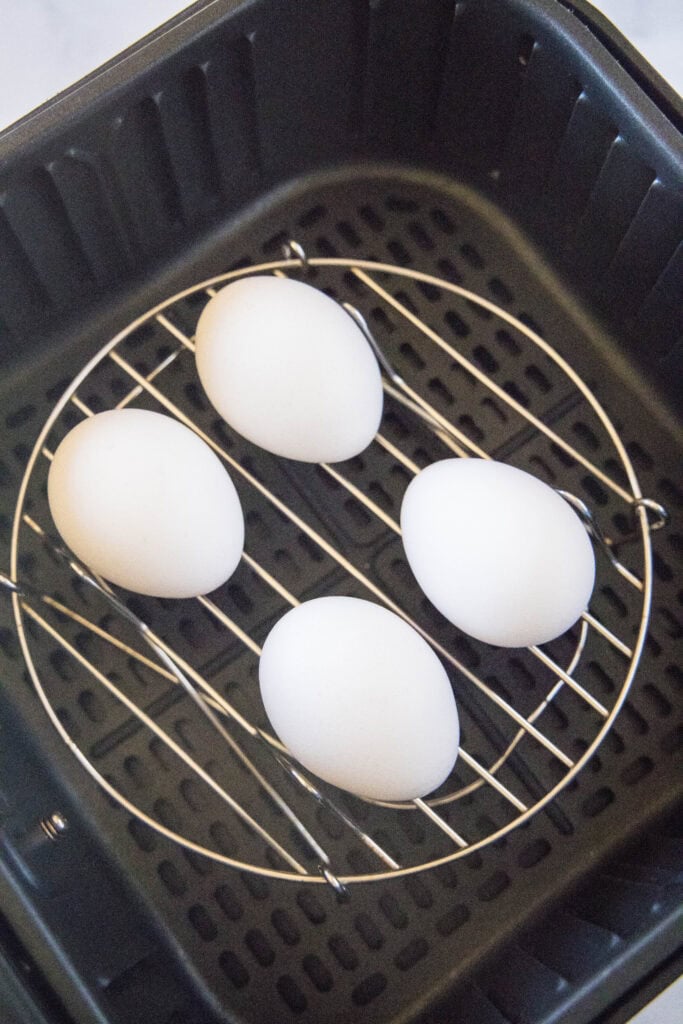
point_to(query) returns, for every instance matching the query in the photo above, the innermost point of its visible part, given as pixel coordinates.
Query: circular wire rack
(511, 761)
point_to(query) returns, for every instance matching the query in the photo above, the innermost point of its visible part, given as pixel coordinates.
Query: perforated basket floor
(260, 950)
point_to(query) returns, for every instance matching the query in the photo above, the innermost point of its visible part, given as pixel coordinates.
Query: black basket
(518, 146)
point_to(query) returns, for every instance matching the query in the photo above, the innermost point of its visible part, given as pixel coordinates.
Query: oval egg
(145, 503)
(360, 699)
(497, 551)
(289, 370)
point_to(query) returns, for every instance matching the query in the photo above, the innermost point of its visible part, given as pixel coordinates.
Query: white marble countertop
(47, 45)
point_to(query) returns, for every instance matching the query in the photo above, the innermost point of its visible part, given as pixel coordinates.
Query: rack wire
(524, 765)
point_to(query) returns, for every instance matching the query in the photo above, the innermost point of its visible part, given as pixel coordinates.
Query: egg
(145, 503)
(497, 551)
(360, 699)
(287, 367)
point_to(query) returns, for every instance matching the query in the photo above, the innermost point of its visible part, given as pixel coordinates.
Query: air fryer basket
(494, 144)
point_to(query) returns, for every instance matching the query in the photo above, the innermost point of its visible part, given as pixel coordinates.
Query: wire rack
(511, 762)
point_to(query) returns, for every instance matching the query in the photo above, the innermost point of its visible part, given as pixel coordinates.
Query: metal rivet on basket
(54, 826)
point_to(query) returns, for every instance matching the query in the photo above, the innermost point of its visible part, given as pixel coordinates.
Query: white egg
(289, 369)
(360, 699)
(145, 503)
(497, 551)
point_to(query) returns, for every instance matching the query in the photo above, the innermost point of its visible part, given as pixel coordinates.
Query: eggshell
(497, 551)
(289, 369)
(360, 699)
(145, 503)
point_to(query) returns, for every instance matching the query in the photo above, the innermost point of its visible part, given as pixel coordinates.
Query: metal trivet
(522, 768)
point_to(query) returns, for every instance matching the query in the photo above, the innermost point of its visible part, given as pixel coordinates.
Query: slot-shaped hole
(420, 236)
(418, 892)
(380, 496)
(490, 404)
(399, 253)
(190, 632)
(586, 436)
(493, 887)
(161, 754)
(185, 732)
(343, 952)
(485, 359)
(400, 204)
(235, 971)
(615, 602)
(393, 911)
(285, 927)
(405, 300)
(368, 931)
(167, 814)
(259, 947)
(201, 921)
(310, 548)
(20, 417)
(657, 701)
(471, 428)
(534, 853)
(357, 512)
(663, 570)
(172, 878)
(617, 472)
(381, 317)
(442, 221)
(456, 323)
(449, 271)
(349, 233)
(317, 972)
(634, 720)
(412, 357)
(430, 291)
(640, 457)
(471, 255)
(196, 796)
(137, 771)
(312, 217)
(669, 623)
(372, 218)
(597, 802)
(538, 378)
(671, 493)
(521, 675)
(556, 718)
(144, 836)
(411, 954)
(369, 989)
(240, 598)
(92, 705)
(325, 247)
(562, 455)
(637, 770)
(500, 291)
(311, 907)
(595, 490)
(227, 900)
(453, 919)
(515, 392)
(438, 388)
(508, 343)
(541, 468)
